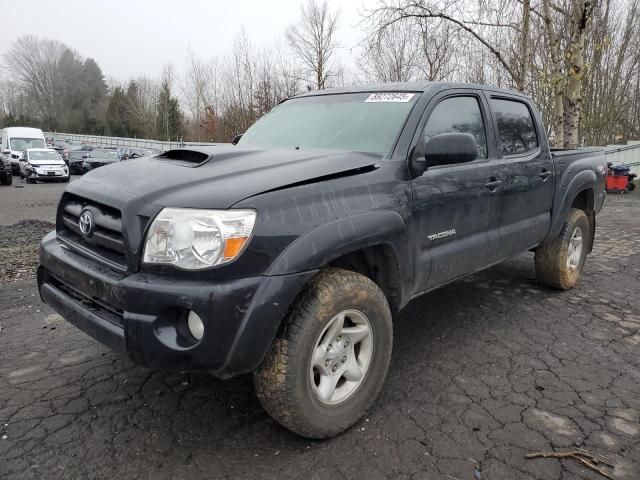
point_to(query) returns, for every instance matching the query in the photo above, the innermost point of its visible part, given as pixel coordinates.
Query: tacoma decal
(446, 233)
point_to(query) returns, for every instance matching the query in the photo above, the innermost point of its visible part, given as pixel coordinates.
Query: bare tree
(392, 55)
(479, 23)
(200, 90)
(34, 65)
(437, 61)
(313, 40)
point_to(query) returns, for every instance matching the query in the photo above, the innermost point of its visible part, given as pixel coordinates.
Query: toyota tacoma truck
(287, 254)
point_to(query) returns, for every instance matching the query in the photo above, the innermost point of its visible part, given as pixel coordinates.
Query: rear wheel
(559, 263)
(329, 362)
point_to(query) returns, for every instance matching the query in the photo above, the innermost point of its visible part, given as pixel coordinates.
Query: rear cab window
(516, 127)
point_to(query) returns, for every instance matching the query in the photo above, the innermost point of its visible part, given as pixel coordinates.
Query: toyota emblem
(86, 223)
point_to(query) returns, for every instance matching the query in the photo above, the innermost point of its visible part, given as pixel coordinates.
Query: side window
(458, 114)
(515, 126)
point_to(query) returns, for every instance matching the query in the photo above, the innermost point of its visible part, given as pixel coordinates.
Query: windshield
(43, 156)
(22, 144)
(104, 154)
(363, 122)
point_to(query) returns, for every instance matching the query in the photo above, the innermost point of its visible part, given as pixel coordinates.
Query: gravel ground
(20, 238)
(483, 372)
(19, 244)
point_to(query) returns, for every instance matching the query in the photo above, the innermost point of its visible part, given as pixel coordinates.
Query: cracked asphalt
(483, 372)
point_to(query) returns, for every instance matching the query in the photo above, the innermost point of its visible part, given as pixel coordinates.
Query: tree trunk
(573, 100)
(556, 78)
(521, 83)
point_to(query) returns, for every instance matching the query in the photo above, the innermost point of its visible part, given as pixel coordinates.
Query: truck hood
(228, 175)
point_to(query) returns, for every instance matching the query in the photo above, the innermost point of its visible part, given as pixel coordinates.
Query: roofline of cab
(418, 87)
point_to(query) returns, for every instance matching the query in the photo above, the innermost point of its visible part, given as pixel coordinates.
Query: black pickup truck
(287, 254)
(6, 174)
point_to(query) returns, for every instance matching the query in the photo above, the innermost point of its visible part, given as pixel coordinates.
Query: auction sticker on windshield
(390, 97)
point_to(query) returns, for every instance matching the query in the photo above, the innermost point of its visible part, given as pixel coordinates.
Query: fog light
(196, 327)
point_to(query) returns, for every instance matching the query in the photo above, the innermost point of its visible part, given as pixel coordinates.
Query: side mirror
(444, 149)
(236, 139)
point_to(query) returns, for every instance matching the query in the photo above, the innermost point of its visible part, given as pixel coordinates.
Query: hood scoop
(184, 158)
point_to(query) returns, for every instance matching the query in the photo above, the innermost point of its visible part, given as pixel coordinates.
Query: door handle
(544, 175)
(493, 184)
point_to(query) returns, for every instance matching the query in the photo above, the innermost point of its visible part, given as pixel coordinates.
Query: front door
(455, 206)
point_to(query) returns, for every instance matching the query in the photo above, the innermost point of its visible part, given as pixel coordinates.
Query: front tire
(330, 360)
(559, 263)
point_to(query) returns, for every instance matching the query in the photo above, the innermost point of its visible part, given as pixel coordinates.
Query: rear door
(455, 206)
(528, 174)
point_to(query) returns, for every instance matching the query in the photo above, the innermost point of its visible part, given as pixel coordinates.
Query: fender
(332, 240)
(566, 194)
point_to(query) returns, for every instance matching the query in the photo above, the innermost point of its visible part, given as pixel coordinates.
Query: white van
(15, 140)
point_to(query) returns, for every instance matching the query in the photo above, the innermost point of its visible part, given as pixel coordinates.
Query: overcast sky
(132, 37)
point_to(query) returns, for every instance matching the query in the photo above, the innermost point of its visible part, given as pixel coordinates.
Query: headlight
(196, 239)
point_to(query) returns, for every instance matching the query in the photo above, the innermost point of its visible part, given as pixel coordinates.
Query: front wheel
(559, 263)
(329, 362)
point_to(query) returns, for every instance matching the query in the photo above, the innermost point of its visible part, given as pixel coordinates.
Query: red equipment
(619, 179)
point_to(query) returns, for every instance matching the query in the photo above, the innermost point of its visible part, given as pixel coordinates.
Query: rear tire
(329, 362)
(559, 263)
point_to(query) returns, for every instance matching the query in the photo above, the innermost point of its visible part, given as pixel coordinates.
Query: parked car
(137, 152)
(286, 254)
(42, 164)
(100, 157)
(76, 160)
(15, 140)
(63, 149)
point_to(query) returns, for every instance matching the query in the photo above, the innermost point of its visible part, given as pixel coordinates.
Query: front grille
(106, 244)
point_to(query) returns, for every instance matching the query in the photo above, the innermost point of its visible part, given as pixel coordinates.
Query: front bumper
(143, 315)
(46, 173)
